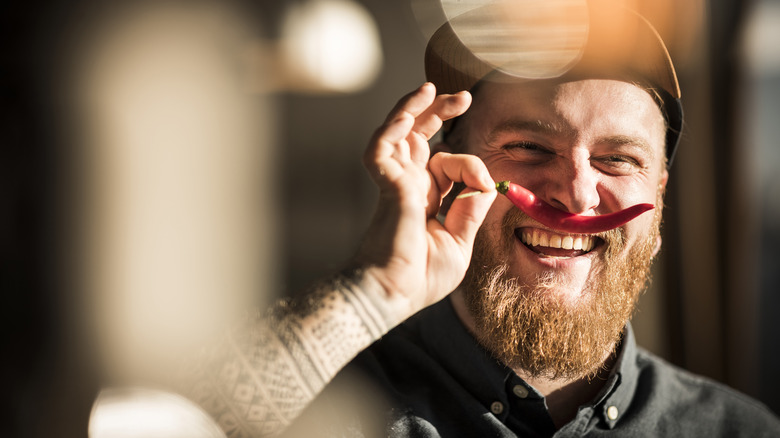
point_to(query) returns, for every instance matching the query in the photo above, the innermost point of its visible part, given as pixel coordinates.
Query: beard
(531, 327)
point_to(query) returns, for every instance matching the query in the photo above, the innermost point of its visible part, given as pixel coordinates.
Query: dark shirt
(433, 379)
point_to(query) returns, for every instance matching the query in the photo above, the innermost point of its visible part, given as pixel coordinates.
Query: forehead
(582, 109)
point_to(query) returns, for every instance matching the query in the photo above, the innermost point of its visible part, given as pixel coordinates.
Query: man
(535, 341)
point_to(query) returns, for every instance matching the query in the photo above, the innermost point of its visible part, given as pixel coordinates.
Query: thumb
(466, 216)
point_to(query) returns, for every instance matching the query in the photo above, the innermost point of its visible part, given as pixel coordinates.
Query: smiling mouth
(547, 243)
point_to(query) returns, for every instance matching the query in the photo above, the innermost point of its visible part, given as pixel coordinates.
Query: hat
(609, 42)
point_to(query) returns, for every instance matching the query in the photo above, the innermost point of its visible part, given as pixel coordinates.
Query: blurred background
(168, 165)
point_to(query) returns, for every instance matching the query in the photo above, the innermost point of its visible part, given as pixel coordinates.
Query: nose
(573, 187)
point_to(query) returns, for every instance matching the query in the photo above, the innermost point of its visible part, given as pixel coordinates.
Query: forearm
(268, 369)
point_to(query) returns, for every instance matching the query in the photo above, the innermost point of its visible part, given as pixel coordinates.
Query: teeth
(551, 240)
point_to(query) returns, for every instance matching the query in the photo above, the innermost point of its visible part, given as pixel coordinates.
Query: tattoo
(268, 368)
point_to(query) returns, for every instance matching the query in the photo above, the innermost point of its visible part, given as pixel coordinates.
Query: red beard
(526, 327)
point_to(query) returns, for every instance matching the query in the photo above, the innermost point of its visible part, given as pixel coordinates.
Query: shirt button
(612, 412)
(520, 391)
(497, 407)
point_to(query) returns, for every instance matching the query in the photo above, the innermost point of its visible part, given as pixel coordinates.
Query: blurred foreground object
(178, 237)
(145, 413)
(177, 234)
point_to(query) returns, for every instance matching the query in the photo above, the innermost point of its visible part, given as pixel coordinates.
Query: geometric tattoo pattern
(266, 370)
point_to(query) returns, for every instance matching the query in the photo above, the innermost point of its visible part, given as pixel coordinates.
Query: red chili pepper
(560, 220)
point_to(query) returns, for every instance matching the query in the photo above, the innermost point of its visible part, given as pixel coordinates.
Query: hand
(415, 259)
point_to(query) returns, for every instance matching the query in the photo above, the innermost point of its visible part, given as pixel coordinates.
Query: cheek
(496, 164)
(502, 168)
(492, 229)
(644, 226)
(496, 214)
(617, 193)
(638, 229)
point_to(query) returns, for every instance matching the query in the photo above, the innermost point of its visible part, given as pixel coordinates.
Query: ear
(657, 247)
(664, 180)
(661, 190)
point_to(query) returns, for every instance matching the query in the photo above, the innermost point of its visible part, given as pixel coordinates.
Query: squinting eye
(522, 145)
(621, 159)
(620, 164)
(527, 152)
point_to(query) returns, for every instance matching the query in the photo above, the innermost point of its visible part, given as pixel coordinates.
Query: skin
(587, 147)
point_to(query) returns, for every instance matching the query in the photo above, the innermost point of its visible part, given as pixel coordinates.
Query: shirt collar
(613, 401)
(448, 340)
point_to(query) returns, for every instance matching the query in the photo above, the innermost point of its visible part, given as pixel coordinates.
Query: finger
(415, 102)
(447, 168)
(466, 215)
(387, 145)
(444, 107)
(419, 149)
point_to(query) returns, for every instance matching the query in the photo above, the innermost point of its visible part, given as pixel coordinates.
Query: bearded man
(536, 340)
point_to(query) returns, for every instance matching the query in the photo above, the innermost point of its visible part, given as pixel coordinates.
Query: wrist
(390, 307)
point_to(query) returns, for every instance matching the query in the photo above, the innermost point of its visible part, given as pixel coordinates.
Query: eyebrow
(536, 126)
(627, 140)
